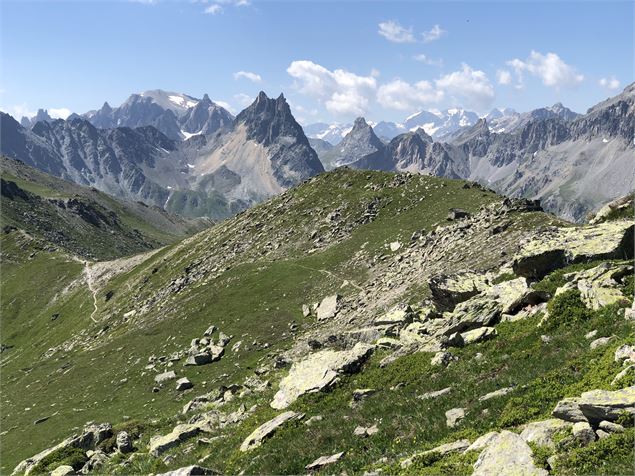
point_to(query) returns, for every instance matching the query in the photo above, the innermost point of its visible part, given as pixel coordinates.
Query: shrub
(611, 455)
(566, 309)
(503, 277)
(540, 454)
(74, 457)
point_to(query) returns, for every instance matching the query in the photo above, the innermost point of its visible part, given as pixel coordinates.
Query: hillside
(81, 220)
(423, 284)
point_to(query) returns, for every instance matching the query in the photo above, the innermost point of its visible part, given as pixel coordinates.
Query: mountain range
(191, 156)
(227, 165)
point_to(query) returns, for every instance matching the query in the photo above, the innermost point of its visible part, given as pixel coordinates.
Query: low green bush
(567, 309)
(611, 455)
(67, 456)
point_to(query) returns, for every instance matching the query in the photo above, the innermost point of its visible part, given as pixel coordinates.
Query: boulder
(400, 315)
(164, 377)
(394, 246)
(267, 429)
(496, 393)
(441, 359)
(92, 435)
(482, 441)
(319, 371)
(454, 447)
(328, 308)
(210, 330)
(505, 455)
(478, 335)
(542, 432)
(583, 433)
(454, 416)
(610, 427)
(597, 405)
(306, 310)
(160, 444)
(449, 290)
(435, 394)
(365, 431)
(602, 341)
(625, 352)
(223, 340)
(193, 470)
(323, 461)
(555, 248)
(123, 442)
(63, 470)
(598, 286)
(183, 384)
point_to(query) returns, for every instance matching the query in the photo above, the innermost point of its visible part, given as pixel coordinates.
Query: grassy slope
(255, 299)
(134, 228)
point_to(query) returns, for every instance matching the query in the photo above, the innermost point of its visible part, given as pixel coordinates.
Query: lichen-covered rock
(454, 447)
(124, 442)
(165, 376)
(482, 441)
(319, 371)
(598, 286)
(495, 394)
(448, 291)
(583, 433)
(555, 248)
(625, 352)
(160, 444)
(267, 429)
(542, 432)
(92, 435)
(193, 470)
(507, 454)
(597, 405)
(323, 461)
(478, 335)
(454, 416)
(401, 314)
(64, 470)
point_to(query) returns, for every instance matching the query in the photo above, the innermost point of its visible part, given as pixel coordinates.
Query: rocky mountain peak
(106, 109)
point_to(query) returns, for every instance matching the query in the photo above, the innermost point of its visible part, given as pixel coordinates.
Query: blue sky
(333, 60)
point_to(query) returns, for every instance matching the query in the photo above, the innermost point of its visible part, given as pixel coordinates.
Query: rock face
(597, 405)
(267, 429)
(507, 454)
(124, 442)
(558, 247)
(535, 155)
(318, 371)
(359, 142)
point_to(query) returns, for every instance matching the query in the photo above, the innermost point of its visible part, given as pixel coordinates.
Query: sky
(333, 60)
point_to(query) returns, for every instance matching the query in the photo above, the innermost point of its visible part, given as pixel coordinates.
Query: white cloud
(243, 99)
(550, 68)
(609, 83)
(393, 31)
(341, 91)
(504, 77)
(19, 111)
(468, 87)
(145, 2)
(403, 96)
(434, 34)
(253, 77)
(214, 9)
(224, 105)
(424, 59)
(59, 113)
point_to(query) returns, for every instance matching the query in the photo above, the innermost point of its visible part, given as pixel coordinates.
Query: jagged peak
(360, 122)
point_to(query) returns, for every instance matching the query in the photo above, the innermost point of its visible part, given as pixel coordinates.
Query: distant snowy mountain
(177, 115)
(439, 124)
(332, 133)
